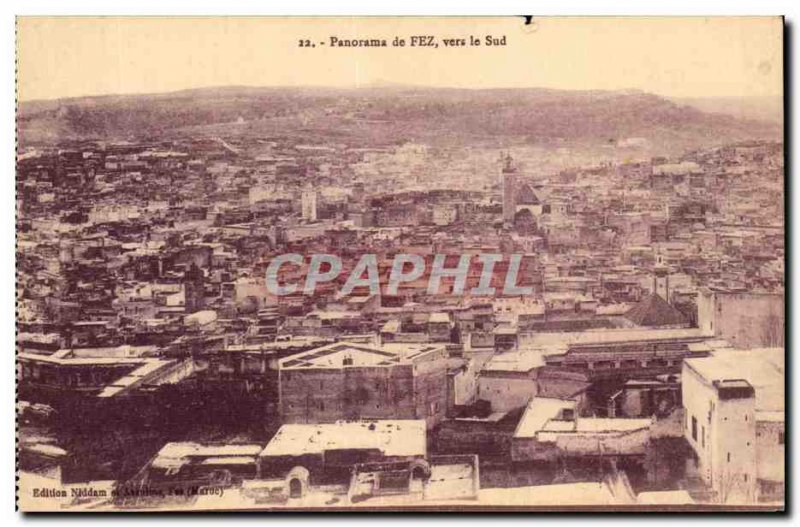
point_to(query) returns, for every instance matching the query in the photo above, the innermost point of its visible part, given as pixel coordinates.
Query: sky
(675, 57)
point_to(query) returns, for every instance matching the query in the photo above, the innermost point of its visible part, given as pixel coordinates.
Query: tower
(509, 174)
(309, 204)
(661, 282)
(193, 289)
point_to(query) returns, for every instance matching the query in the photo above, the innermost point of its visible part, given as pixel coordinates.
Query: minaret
(509, 188)
(309, 204)
(661, 281)
(193, 289)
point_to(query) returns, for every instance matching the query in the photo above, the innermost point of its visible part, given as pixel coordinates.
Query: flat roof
(606, 336)
(762, 368)
(182, 449)
(335, 355)
(334, 315)
(607, 424)
(84, 361)
(516, 361)
(230, 460)
(539, 411)
(439, 317)
(391, 437)
(294, 342)
(149, 366)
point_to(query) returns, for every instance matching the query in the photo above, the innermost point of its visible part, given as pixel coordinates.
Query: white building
(444, 214)
(508, 380)
(309, 204)
(734, 421)
(550, 428)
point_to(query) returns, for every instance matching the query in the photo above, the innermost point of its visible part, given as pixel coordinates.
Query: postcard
(408, 264)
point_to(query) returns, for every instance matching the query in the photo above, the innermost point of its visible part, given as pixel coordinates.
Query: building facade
(734, 422)
(354, 381)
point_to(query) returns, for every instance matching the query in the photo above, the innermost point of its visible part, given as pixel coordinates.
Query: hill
(381, 115)
(769, 109)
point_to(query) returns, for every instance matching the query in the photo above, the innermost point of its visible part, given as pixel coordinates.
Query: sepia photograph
(408, 264)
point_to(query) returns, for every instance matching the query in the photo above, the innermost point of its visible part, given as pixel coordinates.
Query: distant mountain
(769, 109)
(390, 114)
